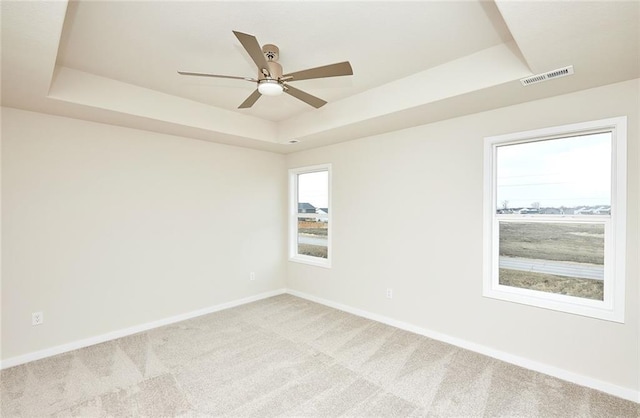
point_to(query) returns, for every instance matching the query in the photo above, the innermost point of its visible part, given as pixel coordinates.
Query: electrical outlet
(389, 293)
(252, 275)
(37, 318)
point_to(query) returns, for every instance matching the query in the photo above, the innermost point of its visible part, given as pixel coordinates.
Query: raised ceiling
(414, 62)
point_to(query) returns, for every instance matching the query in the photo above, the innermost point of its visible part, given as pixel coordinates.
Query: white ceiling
(414, 62)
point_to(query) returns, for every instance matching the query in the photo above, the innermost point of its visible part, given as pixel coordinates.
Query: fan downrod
(271, 52)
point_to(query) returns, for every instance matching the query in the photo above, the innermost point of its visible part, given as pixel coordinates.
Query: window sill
(312, 261)
(561, 303)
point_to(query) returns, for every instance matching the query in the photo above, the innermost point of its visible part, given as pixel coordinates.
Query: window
(310, 215)
(555, 212)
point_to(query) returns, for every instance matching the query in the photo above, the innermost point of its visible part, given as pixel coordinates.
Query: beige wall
(106, 228)
(407, 215)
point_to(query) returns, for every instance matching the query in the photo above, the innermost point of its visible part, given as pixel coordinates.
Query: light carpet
(286, 356)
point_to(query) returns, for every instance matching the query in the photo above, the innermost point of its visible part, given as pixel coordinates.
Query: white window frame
(612, 307)
(294, 215)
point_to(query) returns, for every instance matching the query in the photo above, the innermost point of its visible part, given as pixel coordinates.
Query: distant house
(306, 208)
(583, 211)
(526, 211)
(323, 211)
(602, 210)
(551, 211)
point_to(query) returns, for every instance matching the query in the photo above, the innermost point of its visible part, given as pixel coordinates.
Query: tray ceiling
(414, 62)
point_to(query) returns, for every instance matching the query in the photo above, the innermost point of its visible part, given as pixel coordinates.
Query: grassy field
(313, 231)
(580, 243)
(571, 286)
(313, 250)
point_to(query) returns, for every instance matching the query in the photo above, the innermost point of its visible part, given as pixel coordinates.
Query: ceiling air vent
(539, 78)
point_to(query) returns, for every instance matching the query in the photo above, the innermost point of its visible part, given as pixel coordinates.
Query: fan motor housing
(275, 70)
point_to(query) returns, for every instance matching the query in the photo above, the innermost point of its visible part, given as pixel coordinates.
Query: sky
(566, 172)
(314, 188)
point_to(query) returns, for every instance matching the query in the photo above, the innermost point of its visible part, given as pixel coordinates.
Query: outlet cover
(37, 318)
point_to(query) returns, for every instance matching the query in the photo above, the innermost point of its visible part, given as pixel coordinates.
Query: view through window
(313, 210)
(555, 218)
(311, 221)
(551, 181)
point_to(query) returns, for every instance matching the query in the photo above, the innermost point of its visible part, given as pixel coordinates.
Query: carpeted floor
(290, 357)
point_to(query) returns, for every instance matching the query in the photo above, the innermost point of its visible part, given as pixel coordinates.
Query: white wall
(407, 214)
(105, 228)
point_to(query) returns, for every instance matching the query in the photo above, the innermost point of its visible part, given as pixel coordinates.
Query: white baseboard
(48, 352)
(621, 392)
(600, 385)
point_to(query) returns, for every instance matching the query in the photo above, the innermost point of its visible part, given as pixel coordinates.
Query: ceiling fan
(271, 81)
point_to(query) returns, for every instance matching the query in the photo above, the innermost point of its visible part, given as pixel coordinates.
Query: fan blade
(250, 100)
(331, 70)
(305, 97)
(217, 76)
(251, 45)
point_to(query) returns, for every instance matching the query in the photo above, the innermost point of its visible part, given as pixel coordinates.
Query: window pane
(313, 214)
(559, 176)
(563, 258)
(313, 192)
(312, 237)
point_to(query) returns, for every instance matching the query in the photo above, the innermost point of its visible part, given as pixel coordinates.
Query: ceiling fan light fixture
(270, 87)
(271, 80)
